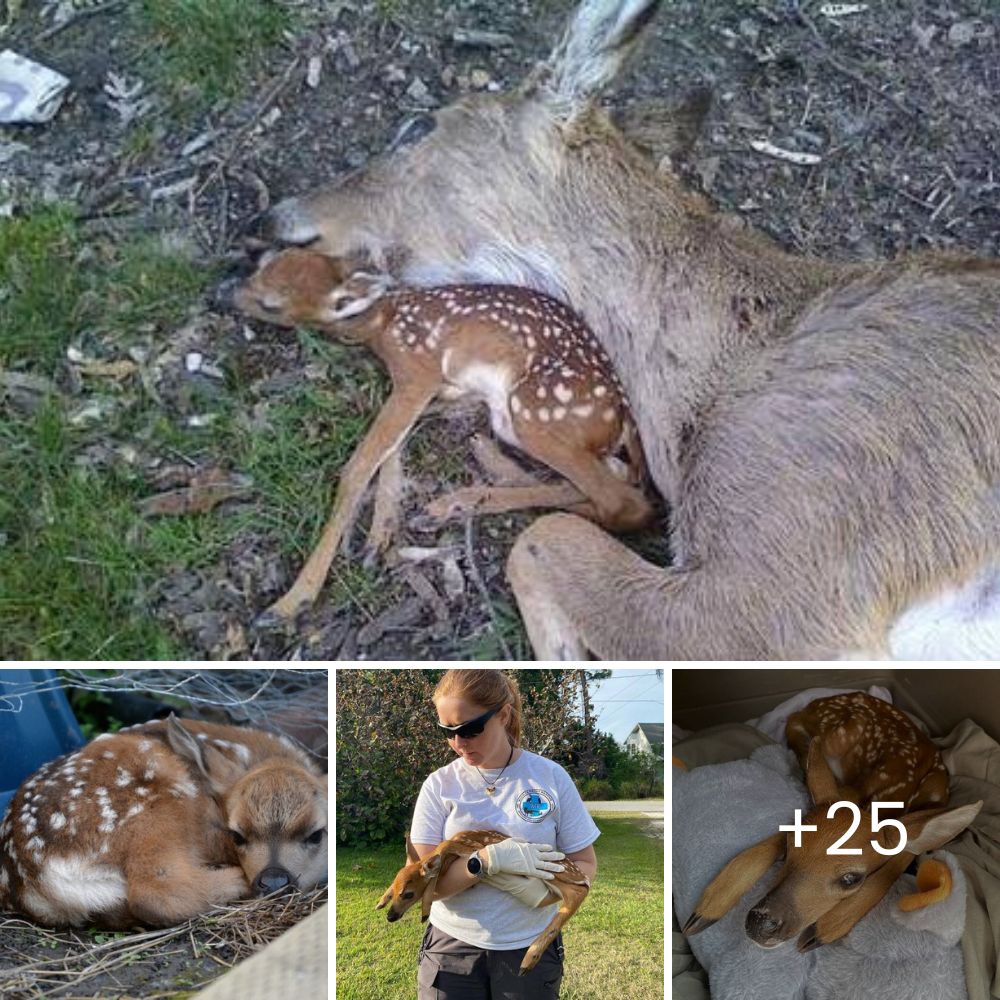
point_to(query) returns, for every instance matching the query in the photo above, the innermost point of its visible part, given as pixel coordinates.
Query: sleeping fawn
(550, 389)
(417, 880)
(852, 748)
(158, 823)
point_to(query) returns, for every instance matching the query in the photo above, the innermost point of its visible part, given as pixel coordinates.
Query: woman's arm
(456, 879)
(586, 861)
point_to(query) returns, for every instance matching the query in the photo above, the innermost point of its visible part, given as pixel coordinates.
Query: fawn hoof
(809, 939)
(280, 615)
(696, 923)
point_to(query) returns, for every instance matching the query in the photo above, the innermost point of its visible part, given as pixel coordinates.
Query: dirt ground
(900, 101)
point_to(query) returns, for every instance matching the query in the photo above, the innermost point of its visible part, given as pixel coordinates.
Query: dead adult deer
(852, 748)
(157, 823)
(549, 386)
(416, 882)
(828, 436)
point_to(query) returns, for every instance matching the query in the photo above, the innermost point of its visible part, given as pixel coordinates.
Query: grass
(209, 49)
(619, 927)
(77, 561)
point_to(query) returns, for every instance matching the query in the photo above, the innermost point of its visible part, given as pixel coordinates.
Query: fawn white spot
(134, 810)
(608, 415)
(123, 777)
(108, 754)
(145, 745)
(35, 845)
(103, 736)
(515, 404)
(4, 877)
(150, 771)
(563, 394)
(57, 821)
(543, 414)
(600, 390)
(202, 736)
(541, 392)
(30, 824)
(108, 818)
(142, 791)
(184, 787)
(583, 411)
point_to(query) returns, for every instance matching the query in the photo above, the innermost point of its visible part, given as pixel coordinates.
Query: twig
(79, 15)
(847, 71)
(480, 583)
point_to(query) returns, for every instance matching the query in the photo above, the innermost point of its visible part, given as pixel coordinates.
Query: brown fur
(825, 434)
(137, 827)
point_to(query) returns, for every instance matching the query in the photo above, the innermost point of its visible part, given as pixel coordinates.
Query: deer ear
(427, 898)
(384, 901)
(594, 47)
(932, 828)
(820, 781)
(222, 773)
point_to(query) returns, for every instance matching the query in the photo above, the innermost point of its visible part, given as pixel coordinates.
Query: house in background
(646, 737)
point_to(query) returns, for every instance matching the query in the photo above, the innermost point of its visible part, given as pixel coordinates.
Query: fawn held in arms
(826, 434)
(417, 880)
(859, 749)
(159, 822)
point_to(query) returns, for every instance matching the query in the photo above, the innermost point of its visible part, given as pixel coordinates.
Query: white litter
(788, 155)
(30, 93)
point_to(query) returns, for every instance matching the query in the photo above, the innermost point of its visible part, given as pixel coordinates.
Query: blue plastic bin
(34, 728)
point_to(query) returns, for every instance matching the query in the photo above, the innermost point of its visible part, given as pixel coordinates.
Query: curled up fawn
(416, 882)
(160, 822)
(825, 434)
(858, 749)
(550, 389)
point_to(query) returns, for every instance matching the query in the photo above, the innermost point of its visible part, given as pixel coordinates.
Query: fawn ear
(820, 781)
(595, 45)
(222, 773)
(930, 829)
(384, 901)
(411, 851)
(427, 898)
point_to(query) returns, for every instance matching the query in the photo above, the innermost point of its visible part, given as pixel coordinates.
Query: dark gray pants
(448, 969)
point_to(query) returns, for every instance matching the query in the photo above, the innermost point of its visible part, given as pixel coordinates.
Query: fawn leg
(391, 426)
(725, 890)
(388, 499)
(499, 468)
(498, 499)
(572, 897)
(617, 505)
(837, 922)
(171, 888)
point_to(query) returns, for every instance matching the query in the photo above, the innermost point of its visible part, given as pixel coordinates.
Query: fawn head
(494, 187)
(414, 882)
(298, 287)
(813, 881)
(275, 812)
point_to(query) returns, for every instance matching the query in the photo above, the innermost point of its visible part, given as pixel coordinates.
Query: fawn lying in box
(550, 388)
(417, 880)
(852, 748)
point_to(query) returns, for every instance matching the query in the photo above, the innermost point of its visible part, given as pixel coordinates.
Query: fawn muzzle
(271, 880)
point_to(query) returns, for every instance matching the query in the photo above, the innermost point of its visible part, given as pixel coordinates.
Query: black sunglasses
(473, 727)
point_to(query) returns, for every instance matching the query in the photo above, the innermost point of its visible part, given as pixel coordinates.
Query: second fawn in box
(550, 389)
(160, 822)
(852, 748)
(417, 880)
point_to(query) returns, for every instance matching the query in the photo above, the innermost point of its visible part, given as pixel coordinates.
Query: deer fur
(159, 822)
(826, 434)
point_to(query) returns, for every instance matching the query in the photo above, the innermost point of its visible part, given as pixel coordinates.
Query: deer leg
(572, 897)
(499, 468)
(500, 499)
(616, 504)
(838, 921)
(388, 498)
(728, 887)
(386, 434)
(170, 887)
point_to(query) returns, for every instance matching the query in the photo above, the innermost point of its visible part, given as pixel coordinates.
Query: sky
(628, 696)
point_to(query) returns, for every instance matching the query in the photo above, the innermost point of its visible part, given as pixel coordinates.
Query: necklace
(491, 788)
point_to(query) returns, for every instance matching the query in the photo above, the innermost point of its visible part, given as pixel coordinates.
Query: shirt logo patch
(534, 805)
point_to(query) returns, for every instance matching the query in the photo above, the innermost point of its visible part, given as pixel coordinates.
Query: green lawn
(618, 928)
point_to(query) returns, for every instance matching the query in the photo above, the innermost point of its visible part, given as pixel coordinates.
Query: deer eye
(408, 895)
(413, 130)
(316, 837)
(850, 879)
(238, 839)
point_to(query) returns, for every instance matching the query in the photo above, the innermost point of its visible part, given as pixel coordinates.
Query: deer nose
(272, 879)
(761, 925)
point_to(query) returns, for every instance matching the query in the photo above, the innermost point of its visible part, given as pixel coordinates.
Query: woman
(475, 941)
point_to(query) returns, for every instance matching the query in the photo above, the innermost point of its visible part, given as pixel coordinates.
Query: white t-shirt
(535, 802)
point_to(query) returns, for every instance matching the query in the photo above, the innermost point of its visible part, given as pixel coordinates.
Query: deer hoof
(696, 923)
(809, 939)
(277, 616)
